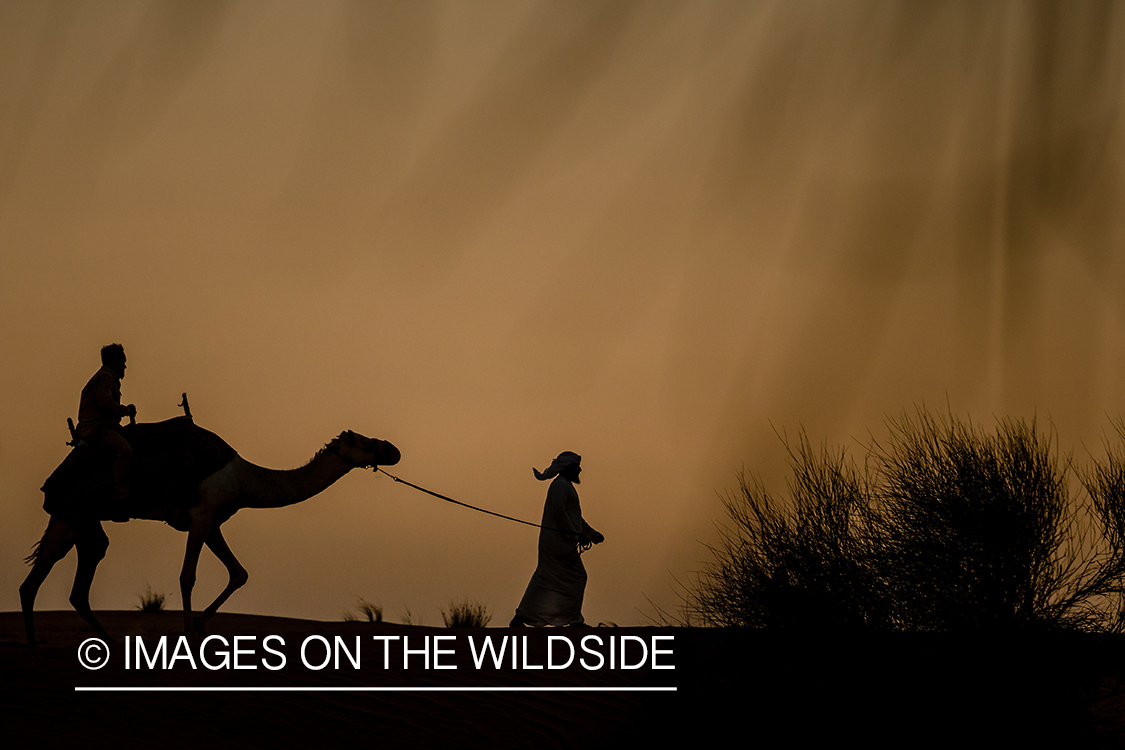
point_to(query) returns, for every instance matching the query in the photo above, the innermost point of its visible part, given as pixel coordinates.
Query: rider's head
(113, 357)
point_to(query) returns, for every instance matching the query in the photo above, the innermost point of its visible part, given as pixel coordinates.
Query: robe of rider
(554, 595)
(99, 415)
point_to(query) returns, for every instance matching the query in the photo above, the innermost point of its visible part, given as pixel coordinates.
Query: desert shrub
(948, 527)
(792, 565)
(971, 524)
(151, 601)
(1101, 592)
(466, 614)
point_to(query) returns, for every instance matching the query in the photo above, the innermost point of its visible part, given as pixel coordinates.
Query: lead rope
(581, 547)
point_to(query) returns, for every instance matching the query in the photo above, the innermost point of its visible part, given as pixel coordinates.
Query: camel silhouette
(238, 484)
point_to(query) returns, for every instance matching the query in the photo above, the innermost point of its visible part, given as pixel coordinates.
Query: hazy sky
(651, 233)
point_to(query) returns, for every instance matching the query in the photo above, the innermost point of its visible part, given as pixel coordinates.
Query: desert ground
(748, 688)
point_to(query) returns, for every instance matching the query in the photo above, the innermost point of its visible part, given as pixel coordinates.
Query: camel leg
(238, 575)
(54, 546)
(200, 530)
(91, 549)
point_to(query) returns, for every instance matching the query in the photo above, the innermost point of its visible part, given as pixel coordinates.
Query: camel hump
(179, 441)
(170, 459)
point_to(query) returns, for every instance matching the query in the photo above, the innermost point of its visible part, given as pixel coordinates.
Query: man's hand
(131, 411)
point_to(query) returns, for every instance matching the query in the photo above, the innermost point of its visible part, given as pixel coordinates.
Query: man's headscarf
(565, 459)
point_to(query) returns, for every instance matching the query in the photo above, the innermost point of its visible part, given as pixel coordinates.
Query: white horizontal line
(162, 689)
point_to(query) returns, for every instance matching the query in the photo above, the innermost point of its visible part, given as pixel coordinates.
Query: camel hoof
(197, 625)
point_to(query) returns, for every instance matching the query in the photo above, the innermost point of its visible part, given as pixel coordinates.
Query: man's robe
(554, 596)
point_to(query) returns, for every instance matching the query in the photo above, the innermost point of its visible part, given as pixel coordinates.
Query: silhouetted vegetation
(947, 527)
(367, 611)
(1102, 592)
(409, 618)
(151, 601)
(466, 614)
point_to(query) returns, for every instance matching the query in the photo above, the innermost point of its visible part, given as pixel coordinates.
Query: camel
(238, 484)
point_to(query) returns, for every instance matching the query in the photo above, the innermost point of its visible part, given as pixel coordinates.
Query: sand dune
(767, 690)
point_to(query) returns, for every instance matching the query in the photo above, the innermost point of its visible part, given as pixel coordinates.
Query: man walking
(554, 595)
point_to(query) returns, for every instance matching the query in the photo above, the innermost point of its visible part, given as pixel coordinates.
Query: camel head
(363, 451)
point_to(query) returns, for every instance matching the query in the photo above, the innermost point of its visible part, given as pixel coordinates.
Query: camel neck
(276, 489)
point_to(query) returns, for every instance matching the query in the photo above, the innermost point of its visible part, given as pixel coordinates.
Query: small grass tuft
(466, 614)
(151, 601)
(367, 612)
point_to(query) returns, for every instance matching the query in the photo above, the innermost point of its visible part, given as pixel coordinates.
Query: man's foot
(519, 621)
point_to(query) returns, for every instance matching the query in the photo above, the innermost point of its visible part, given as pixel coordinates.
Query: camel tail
(30, 559)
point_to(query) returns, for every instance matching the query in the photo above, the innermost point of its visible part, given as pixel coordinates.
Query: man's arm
(587, 533)
(591, 533)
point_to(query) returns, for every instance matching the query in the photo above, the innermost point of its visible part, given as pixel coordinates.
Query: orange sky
(650, 233)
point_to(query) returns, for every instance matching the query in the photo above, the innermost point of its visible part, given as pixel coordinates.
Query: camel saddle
(170, 459)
